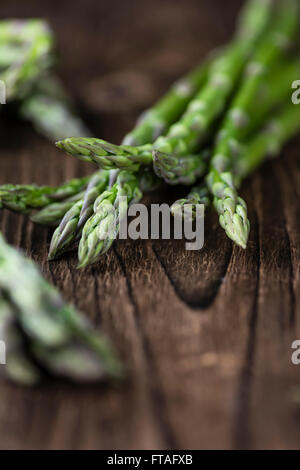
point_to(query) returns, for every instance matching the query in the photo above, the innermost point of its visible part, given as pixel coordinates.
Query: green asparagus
(60, 339)
(52, 214)
(24, 198)
(29, 46)
(71, 224)
(110, 207)
(181, 170)
(18, 368)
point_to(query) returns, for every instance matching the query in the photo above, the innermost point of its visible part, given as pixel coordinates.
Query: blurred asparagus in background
(58, 339)
(26, 197)
(51, 110)
(26, 54)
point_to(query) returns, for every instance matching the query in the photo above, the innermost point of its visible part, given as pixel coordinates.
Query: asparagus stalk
(71, 224)
(24, 198)
(185, 136)
(52, 214)
(182, 170)
(60, 339)
(231, 208)
(110, 207)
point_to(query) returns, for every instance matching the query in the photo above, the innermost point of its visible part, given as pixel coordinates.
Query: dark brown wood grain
(205, 336)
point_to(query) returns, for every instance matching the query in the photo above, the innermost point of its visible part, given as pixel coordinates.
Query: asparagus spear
(185, 136)
(53, 213)
(60, 339)
(71, 224)
(24, 198)
(182, 170)
(110, 207)
(231, 208)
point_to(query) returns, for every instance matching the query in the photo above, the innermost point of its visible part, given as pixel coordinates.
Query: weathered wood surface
(206, 336)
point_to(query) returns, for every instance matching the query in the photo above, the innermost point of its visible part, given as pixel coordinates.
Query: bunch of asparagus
(250, 70)
(245, 87)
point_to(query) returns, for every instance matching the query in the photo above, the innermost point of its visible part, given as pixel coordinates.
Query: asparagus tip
(60, 144)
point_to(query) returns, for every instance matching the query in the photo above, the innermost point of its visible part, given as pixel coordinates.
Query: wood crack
(206, 301)
(242, 432)
(157, 396)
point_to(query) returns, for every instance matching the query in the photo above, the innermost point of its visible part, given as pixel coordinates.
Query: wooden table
(206, 336)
